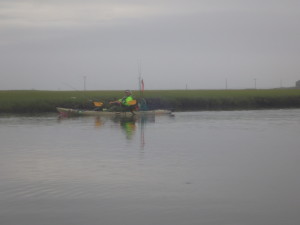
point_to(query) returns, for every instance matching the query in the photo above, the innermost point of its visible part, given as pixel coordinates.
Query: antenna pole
(140, 77)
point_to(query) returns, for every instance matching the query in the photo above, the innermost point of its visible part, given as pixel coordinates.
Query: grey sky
(53, 44)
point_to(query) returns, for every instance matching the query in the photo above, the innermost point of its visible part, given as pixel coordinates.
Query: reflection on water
(128, 125)
(98, 121)
(234, 167)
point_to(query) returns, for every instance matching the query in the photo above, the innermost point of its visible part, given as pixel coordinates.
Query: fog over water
(225, 167)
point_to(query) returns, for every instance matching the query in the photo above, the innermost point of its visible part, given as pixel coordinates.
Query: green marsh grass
(31, 101)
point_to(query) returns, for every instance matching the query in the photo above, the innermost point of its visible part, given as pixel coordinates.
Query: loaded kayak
(80, 112)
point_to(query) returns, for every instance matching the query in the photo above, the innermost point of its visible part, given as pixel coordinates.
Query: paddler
(122, 103)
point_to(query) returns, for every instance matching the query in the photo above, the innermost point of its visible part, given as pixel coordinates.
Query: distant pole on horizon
(226, 85)
(254, 83)
(84, 83)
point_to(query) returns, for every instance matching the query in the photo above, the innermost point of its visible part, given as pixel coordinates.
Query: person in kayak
(123, 104)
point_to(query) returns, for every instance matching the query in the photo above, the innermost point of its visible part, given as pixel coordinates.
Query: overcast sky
(198, 44)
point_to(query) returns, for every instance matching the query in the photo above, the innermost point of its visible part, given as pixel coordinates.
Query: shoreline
(34, 101)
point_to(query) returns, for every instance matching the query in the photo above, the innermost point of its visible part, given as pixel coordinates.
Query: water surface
(226, 167)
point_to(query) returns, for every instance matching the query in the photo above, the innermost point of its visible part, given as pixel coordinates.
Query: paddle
(132, 102)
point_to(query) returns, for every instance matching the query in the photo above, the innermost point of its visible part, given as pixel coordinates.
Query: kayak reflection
(128, 125)
(98, 122)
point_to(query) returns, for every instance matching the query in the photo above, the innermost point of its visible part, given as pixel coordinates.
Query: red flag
(142, 85)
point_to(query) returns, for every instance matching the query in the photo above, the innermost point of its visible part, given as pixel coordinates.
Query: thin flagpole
(140, 77)
(142, 87)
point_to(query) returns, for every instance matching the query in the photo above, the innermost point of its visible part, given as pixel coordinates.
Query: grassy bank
(179, 100)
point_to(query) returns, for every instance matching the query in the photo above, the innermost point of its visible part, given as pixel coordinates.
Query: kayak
(80, 112)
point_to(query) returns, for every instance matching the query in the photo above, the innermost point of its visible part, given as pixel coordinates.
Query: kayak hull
(80, 112)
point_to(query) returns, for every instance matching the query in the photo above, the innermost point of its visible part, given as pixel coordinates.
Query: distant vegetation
(179, 100)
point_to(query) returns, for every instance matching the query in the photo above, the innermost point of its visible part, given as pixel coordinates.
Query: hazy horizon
(194, 44)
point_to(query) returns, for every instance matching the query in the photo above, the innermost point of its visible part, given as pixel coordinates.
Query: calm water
(210, 168)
